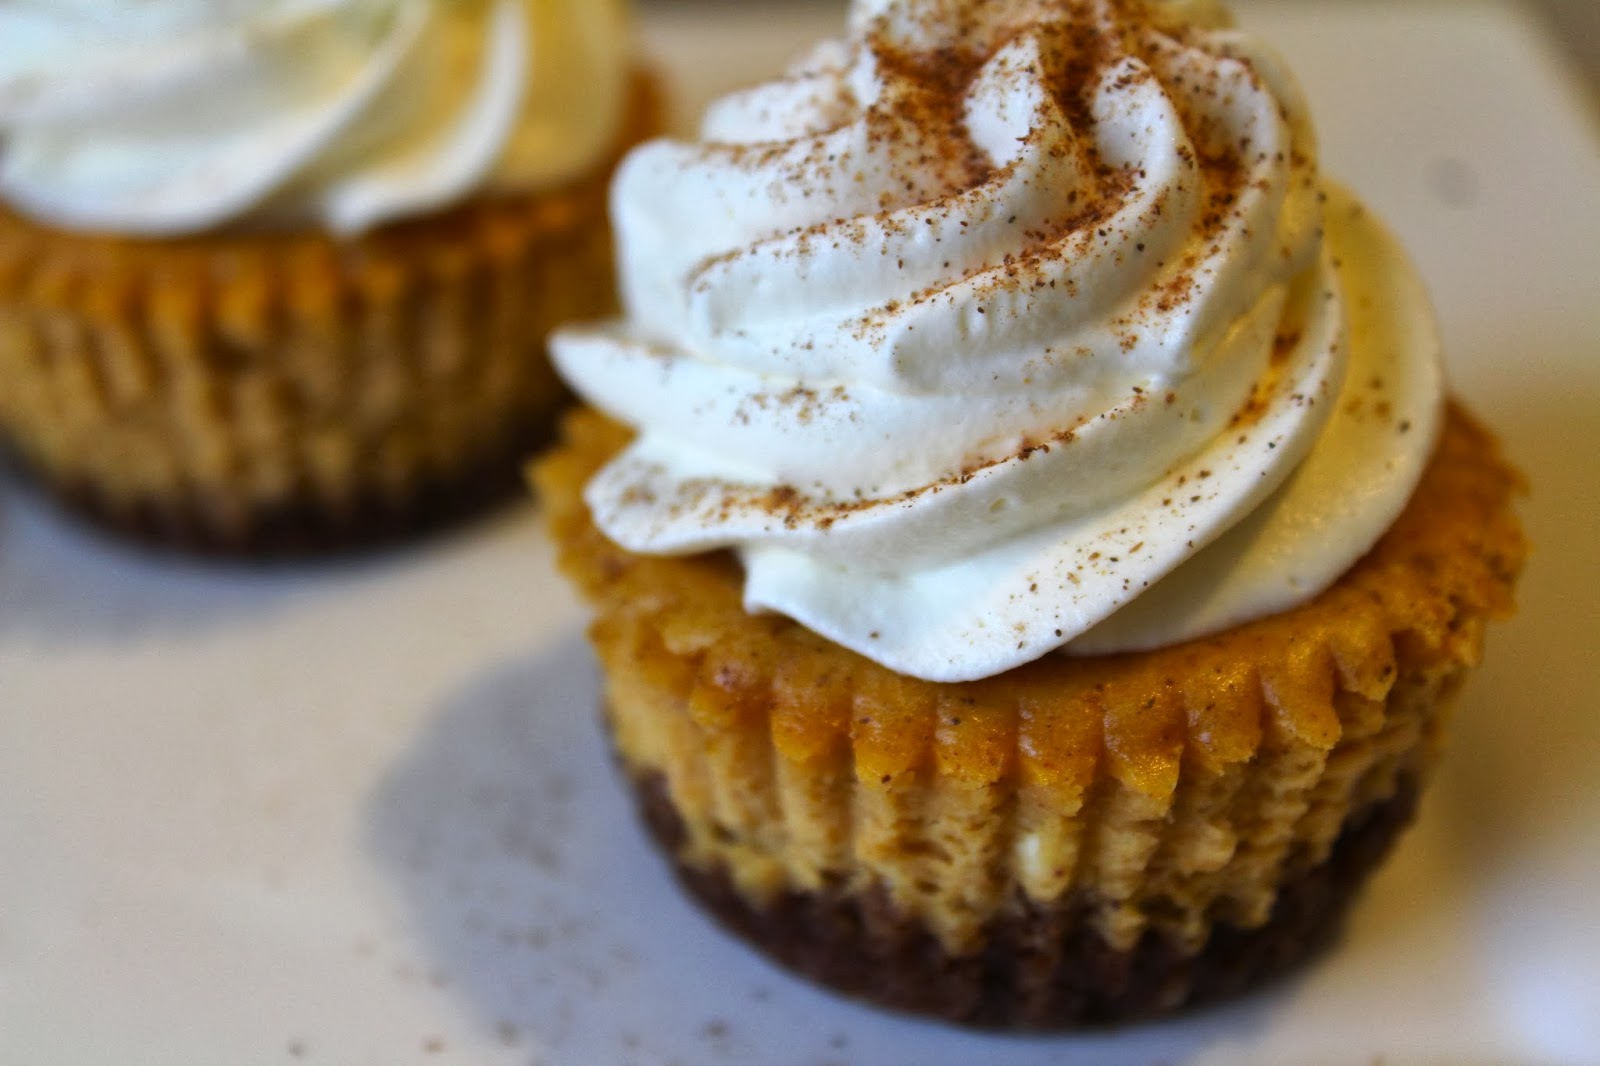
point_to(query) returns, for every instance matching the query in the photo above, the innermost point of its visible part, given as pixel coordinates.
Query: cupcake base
(1078, 841)
(1042, 967)
(296, 527)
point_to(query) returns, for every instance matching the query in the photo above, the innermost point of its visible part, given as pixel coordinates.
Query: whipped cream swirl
(168, 117)
(976, 330)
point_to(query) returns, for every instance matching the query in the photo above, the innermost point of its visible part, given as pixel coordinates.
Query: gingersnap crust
(1159, 797)
(1040, 967)
(270, 392)
(300, 527)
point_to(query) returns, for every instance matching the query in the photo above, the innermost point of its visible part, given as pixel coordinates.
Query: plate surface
(362, 813)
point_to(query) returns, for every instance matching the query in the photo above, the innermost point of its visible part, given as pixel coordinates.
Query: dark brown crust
(305, 525)
(1044, 968)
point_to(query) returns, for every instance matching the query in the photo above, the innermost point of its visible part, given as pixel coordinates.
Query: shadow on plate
(64, 583)
(536, 898)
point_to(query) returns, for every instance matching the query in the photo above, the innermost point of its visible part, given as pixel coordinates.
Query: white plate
(362, 814)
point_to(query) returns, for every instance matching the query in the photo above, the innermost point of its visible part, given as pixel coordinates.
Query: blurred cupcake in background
(276, 275)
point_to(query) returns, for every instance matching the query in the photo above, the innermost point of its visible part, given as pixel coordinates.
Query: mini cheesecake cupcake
(277, 276)
(1033, 554)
